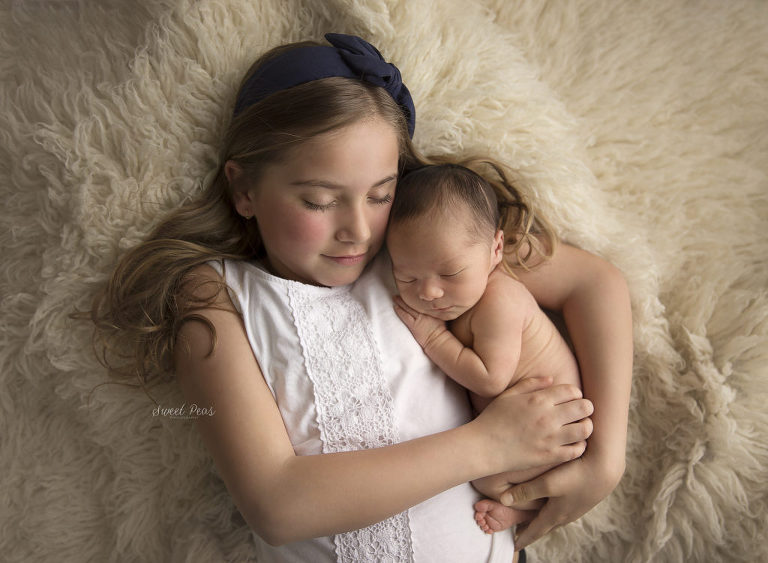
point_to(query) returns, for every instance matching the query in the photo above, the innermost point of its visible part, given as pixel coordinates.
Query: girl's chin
(346, 277)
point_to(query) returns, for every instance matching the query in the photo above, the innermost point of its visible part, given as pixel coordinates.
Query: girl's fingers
(540, 423)
(545, 521)
(573, 451)
(577, 431)
(565, 393)
(534, 530)
(574, 411)
(526, 492)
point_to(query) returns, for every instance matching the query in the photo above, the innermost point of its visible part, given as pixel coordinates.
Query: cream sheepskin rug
(640, 128)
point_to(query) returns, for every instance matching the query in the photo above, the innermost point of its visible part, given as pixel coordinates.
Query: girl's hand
(425, 329)
(535, 423)
(569, 490)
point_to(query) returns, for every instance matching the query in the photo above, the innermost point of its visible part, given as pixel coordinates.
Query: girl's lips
(347, 260)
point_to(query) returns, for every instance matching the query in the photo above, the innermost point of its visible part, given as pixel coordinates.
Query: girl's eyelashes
(387, 199)
(382, 200)
(318, 206)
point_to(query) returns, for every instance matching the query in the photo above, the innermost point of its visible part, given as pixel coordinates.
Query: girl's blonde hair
(484, 187)
(151, 293)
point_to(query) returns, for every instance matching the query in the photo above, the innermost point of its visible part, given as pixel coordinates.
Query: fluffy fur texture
(640, 128)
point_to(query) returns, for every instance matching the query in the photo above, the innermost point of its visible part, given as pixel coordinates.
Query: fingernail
(506, 499)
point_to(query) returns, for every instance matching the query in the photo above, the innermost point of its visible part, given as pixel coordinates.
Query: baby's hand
(423, 327)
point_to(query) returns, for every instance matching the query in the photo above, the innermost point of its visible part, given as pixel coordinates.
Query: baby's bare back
(544, 351)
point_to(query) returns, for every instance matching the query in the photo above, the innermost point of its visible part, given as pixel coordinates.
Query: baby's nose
(430, 291)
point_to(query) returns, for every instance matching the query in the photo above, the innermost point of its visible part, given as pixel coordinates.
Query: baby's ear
(497, 249)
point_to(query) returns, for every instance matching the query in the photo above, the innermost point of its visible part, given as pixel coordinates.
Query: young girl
(321, 433)
(457, 297)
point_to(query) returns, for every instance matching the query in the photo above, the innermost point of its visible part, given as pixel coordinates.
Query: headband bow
(350, 57)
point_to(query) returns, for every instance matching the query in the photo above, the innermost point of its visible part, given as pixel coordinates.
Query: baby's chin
(450, 314)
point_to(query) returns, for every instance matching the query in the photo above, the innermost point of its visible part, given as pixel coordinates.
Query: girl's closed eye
(318, 206)
(381, 200)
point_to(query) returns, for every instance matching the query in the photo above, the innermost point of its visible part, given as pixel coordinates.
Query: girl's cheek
(307, 227)
(379, 225)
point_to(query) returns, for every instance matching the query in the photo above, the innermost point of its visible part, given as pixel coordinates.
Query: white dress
(346, 375)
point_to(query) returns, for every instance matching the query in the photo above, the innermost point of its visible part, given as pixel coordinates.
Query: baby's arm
(487, 369)
(285, 497)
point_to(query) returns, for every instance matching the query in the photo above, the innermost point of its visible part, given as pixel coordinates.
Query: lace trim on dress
(354, 406)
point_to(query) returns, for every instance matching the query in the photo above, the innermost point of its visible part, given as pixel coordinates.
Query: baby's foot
(493, 516)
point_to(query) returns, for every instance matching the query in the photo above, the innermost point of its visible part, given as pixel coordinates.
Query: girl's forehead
(367, 142)
(358, 155)
(373, 128)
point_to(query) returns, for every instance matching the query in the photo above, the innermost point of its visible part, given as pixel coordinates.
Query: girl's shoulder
(204, 282)
(209, 271)
(214, 283)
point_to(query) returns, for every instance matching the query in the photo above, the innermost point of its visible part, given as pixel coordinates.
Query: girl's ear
(497, 248)
(241, 195)
(233, 171)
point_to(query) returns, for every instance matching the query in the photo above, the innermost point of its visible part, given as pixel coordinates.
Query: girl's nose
(429, 290)
(355, 228)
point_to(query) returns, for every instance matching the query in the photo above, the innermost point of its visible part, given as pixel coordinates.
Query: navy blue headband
(350, 57)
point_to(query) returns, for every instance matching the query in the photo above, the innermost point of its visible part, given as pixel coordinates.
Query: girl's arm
(594, 300)
(285, 497)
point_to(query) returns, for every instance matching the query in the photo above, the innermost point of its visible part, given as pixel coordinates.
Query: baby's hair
(482, 186)
(152, 293)
(442, 188)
